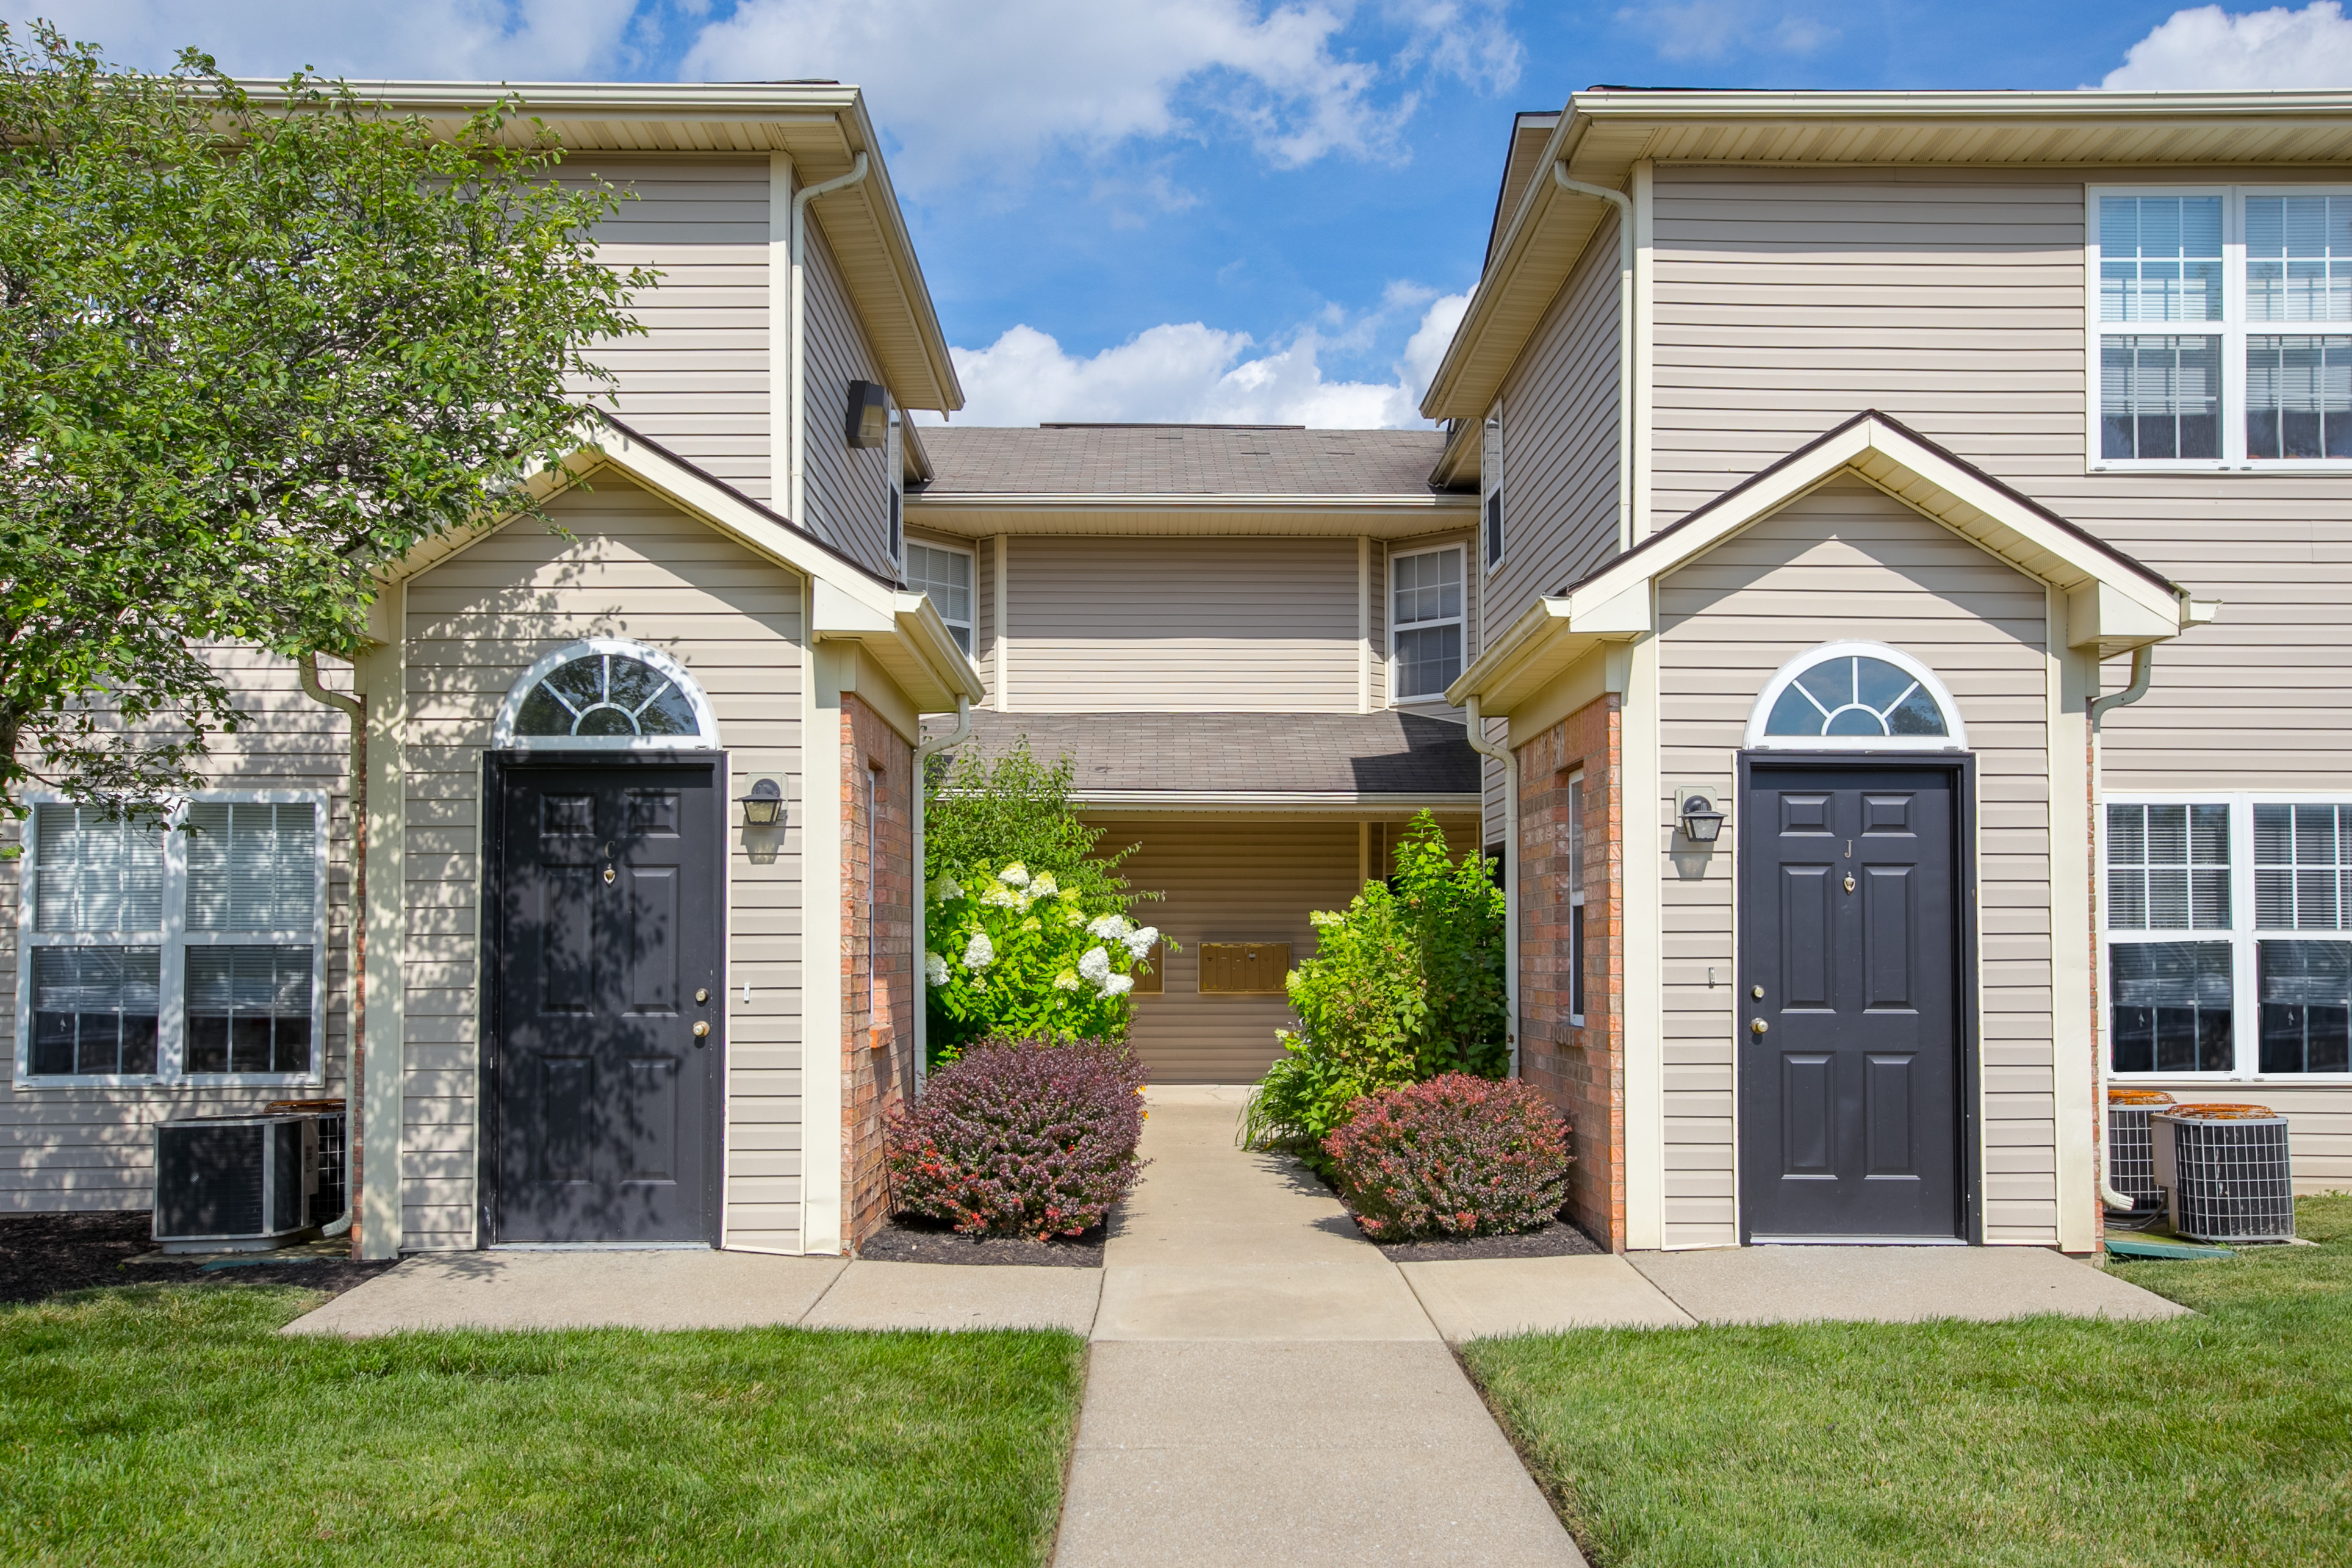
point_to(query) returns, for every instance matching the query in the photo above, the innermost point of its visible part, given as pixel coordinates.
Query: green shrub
(1455, 1156)
(1406, 984)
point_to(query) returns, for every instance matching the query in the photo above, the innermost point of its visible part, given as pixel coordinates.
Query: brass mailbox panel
(1244, 968)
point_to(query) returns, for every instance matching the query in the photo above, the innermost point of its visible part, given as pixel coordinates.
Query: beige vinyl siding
(1109, 625)
(698, 380)
(1849, 562)
(631, 567)
(1376, 621)
(848, 488)
(1787, 300)
(987, 560)
(93, 1148)
(1235, 879)
(1560, 438)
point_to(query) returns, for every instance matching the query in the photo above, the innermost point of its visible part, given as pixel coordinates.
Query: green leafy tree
(1406, 984)
(252, 351)
(981, 811)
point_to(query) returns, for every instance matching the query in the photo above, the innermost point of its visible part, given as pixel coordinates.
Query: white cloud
(2211, 48)
(1195, 373)
(520, 41)
(991, 89)
(1710, 29)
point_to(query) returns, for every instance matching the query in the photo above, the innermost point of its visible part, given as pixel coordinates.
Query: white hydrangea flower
(1003, 897)
(1066, 980)
(1139, 941)
(1074, 917)
(1015, 876)
(1042, 885)
(935, 969)
(947, 890)
(1118, 985)
(1108, 928)
(978, 952)
(1095, 965)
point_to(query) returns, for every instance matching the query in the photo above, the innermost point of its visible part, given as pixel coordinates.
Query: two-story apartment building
(1951, 491)
(1899, 542)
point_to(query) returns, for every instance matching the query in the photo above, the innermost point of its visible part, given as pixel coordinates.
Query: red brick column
(1579, 1069)
(874, 1081)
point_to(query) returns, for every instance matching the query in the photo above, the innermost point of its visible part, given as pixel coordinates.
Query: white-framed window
(1856, 696)
(2228, 935)
(1426, 625)
(188, 944)
(605, 694)
(945, 574)
(2222, 327)
(1577, 959)
(1490, 486)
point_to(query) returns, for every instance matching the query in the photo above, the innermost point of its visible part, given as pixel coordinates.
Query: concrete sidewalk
(1266, 1387)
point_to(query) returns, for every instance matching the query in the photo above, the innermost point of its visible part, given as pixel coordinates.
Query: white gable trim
(2114, 604)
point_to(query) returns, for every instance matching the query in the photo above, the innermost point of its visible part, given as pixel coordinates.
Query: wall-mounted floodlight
(869, 423)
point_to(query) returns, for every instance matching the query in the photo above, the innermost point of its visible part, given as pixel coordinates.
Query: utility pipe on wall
(1625, 205)
(923, 755)
(2143, 671)
(355, 1093)
(1501, 754)
(796, 439)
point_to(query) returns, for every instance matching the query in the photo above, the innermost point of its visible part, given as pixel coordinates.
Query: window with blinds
(186, 947)
(2223, 328)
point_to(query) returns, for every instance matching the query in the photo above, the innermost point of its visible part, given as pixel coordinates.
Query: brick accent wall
(878, 974)
(1582, 1069)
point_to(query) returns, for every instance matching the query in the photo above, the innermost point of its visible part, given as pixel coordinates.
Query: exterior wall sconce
(1702, 823)
(868, 419)
(764, 806)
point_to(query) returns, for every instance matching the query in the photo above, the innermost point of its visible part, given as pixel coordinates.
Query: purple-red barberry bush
(1455, 1156)
(1027, 1138)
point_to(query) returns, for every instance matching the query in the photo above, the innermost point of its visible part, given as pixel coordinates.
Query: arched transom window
(1856, 696)
(603, 692)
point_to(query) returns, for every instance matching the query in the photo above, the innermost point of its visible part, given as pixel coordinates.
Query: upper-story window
(945, 574)
(1427, 621)
(161, 946)
(2222, 328)
(1490, 485)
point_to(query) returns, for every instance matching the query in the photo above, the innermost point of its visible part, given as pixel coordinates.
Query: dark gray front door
(603, 897)
(1851, 1076)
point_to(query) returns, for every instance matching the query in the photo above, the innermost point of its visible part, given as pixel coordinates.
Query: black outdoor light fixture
(868, 425)
(764, 806)
(1702, 823)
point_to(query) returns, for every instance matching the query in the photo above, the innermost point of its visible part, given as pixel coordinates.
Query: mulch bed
(910, 1239)
(41, 1255)
(1559, 1239)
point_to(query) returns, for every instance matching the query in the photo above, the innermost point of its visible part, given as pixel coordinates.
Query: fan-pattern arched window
(605, 692)
(1856, 696)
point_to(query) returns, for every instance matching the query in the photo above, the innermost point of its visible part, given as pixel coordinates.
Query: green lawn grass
(173, 1426)
(2218, 1439)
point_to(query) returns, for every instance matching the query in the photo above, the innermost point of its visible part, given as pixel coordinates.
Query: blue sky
(1223, 208)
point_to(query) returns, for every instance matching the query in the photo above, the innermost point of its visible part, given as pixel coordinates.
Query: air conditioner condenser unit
(235, 1183)
(2225, 1171)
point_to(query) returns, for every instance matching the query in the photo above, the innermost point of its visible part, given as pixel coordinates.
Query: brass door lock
(702, 994)
(702, 1028)
(1757, 1026)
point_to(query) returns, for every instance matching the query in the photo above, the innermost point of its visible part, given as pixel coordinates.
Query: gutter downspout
(796, 452)
(2143, 671)
(923, 755)
(356, 966)
(1625, 205)
(1501, 754)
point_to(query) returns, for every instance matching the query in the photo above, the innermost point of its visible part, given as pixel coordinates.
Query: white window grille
(156, 947)
(1856, 696)
(2225, 933)
(945, 574)
(2222, 328)
(605, 694)
(1426, 621)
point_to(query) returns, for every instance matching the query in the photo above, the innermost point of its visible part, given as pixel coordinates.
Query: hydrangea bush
(1031, 1138)
(1018, 955)
(1455, 1156)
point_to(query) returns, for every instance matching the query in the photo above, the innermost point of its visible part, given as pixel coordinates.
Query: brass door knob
(1757, 1026)
(702, 1028)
